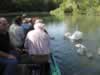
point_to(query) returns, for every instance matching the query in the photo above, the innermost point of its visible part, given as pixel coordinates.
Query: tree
(77, 7)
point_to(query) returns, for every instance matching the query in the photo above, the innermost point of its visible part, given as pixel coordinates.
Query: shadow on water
(65, 54)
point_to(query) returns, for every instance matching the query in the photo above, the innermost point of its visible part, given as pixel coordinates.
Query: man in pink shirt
(37, 41)
(37, 44)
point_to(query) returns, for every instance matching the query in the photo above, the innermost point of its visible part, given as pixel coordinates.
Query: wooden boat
(54, 67)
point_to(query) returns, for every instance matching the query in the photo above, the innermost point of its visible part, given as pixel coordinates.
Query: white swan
(81, 49)
(77, 35)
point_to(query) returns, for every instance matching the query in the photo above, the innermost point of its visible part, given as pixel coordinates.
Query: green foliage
(61, 7)
(90, 7)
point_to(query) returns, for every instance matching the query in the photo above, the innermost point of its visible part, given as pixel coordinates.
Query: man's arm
(52, 38)
(3, 54)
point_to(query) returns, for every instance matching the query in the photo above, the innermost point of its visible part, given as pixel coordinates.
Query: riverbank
(28, 13)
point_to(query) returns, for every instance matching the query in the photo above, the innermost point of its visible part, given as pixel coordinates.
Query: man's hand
(11, 56)
(17, 49)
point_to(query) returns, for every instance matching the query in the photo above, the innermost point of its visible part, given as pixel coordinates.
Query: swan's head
(77, 45)
(80, 46)
(67, 34)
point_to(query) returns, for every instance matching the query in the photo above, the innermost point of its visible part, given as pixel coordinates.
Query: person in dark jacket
(8, 55)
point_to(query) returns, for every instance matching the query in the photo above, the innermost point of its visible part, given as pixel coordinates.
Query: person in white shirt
(17, 33)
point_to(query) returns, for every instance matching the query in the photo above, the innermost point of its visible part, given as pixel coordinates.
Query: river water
(69, 61)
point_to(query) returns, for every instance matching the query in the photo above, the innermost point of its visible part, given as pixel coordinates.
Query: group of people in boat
(24, 35)
(29, 36)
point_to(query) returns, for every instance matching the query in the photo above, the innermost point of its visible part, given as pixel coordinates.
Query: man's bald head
(3, 24)
(3, 19)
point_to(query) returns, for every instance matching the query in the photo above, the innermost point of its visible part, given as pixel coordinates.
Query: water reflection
(65, 53)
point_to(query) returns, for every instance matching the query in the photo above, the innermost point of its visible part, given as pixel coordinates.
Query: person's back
(38, 42)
